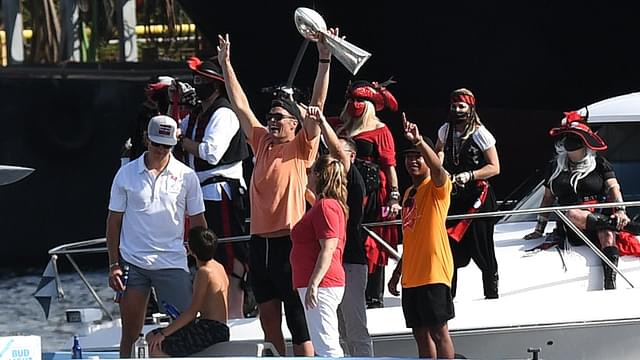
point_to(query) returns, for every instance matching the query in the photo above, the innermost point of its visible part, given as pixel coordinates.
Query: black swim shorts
(195, 337)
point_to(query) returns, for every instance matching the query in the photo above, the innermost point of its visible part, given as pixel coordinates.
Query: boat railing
(97, 245)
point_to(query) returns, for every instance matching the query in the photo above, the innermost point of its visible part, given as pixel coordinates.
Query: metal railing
(80, 247)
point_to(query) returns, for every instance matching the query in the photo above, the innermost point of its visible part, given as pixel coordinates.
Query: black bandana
(289, 105)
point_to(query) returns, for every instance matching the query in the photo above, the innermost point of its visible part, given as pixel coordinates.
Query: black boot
(603, 222)
(611, 252)
(490, 284)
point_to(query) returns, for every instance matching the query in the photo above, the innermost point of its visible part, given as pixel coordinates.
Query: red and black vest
(237, 150)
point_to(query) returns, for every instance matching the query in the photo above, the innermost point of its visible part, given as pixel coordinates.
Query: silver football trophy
(310, 25)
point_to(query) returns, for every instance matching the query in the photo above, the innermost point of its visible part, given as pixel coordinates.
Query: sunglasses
(410, 199)
(278, 116)
(155, 144)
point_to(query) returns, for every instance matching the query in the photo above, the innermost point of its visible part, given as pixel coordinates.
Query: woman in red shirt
(316, 256)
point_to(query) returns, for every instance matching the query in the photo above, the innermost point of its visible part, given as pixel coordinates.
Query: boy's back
(190, 333)
(212, 279)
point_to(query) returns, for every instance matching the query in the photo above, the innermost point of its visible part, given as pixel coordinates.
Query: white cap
(162, 130)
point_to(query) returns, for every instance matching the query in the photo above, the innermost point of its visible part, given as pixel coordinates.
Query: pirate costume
(464, 152)
(375, 151)
(584, 182)
(220, 172)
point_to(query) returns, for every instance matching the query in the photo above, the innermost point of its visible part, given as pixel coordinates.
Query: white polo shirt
(154, 210)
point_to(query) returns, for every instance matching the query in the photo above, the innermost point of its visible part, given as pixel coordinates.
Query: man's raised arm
(438, 173)
(237, 97)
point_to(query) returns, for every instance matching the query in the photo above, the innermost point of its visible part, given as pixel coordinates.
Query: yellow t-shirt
(426, 255)
(279, 180)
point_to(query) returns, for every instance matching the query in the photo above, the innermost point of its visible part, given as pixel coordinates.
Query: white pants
(352, 313)
(323, 321)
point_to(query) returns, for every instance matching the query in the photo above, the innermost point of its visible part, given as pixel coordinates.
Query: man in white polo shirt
(150, 197)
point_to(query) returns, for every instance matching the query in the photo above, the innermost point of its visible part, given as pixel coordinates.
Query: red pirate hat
(374, 92)
(207, 68)
(576, 124)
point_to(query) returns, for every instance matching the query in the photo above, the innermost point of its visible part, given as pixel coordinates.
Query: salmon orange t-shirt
(426, 254)
(279, 180)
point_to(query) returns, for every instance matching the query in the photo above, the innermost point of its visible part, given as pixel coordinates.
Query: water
(21, 314)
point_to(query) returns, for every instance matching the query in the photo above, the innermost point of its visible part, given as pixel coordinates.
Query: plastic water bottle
(76, 350)
(140, 348)
(171, 310)
(125, 280)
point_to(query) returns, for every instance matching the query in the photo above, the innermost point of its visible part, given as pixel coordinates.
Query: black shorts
(195, 337)
(271, 278)
(427, 305)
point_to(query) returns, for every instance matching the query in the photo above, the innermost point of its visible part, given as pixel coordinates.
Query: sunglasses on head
(155, 144)
(409, 201)
(278, 116)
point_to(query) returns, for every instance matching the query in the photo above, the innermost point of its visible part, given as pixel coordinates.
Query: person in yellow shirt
(426, 267)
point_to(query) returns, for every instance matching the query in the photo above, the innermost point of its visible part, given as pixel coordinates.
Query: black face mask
(573, 142)
(459, 117)
(204, 91)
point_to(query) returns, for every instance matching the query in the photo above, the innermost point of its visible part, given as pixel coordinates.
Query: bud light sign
(20, 348)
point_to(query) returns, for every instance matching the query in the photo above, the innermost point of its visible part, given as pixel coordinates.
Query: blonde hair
(331, 180)
(580, 169)
(351, 125)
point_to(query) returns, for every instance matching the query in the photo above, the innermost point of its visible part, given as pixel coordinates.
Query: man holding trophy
(277, 190)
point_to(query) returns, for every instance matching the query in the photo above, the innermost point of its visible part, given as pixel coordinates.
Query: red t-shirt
(325, 220)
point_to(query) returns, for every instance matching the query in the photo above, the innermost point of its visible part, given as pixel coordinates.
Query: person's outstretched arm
(321, 83)
(333, 143)
(438, 173)
(237, 97)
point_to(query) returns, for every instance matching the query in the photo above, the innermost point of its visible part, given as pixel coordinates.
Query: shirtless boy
(189, 334)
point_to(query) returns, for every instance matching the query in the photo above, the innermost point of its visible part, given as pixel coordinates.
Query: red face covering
(355, 108)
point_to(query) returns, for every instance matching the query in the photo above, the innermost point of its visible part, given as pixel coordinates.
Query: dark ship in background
(526, 63)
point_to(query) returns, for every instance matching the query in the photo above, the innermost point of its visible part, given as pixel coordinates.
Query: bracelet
(472, 176)
(114, 264)
(620, 208)
(418, 141)
(324, 61)
(394, 195)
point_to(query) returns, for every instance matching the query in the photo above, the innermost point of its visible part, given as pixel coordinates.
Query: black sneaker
(375, 304)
